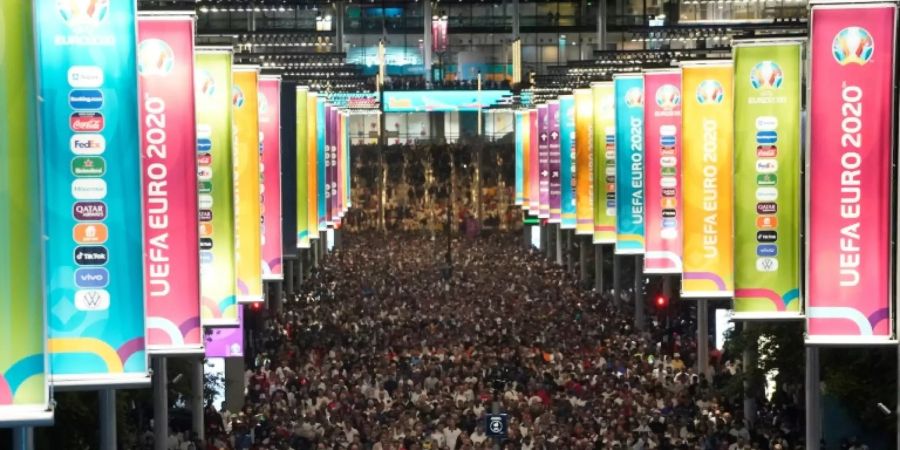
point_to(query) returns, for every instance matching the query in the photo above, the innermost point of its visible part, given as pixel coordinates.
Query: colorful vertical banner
(248, 231)
(302, 168)
(567, 160)
(534, 164)
(24, 391)
(322, 161)
(89, 112)
(331, 188)
(270, 142)
(519, 131)
(226, 342)
(767, 96)
(630, 164)
(543, 113)
(312, 148)
(348, 185)
(707, 158)
(554, 159)
(168, 149)
(851, 120)
(289, 147)
(662, 144)
(584, 189)
(215, 177)
(604, 169)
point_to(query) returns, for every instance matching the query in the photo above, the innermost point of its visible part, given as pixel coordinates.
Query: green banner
(23, 363)
(218, 283)
(604, 163)
(302, 170)
(767, 133)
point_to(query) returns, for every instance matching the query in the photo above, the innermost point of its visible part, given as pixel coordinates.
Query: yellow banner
(708, 158)
(604, 162)
(248, 239)
(584, 191)
(526, 156)
(312, 173)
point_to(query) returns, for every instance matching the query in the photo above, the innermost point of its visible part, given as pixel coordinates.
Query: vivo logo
(93, 277)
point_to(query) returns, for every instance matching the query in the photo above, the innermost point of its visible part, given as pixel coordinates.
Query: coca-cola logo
(86, 122)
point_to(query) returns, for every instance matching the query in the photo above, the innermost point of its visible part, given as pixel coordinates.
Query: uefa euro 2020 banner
(312, 136)
(543, 112)
(767, 186)
(534, 164)
(302, 168)
(215, 175)
(89, 113)
(851, 117)
(629, 164)
(520, 153)
(270, 145)
(226, 342)
(553, 161)
(567, 160)
(24, 392)
(604, 179)
(584, 191)
(707, 158)
(322, 162)
(168, 144)
(664, 216)
(248, 232)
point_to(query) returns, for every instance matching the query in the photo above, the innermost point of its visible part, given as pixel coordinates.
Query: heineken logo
(88, 166)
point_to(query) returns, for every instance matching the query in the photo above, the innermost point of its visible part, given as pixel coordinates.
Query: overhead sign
(24, 372)
(851, 119)
(441, 101)
(96, 334)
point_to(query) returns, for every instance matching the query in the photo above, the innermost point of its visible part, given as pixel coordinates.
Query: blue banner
(93, 218)
(629, 91)
(322, 165)
(567, 160)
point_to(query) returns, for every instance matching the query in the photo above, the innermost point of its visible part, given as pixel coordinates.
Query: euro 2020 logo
(237, 97)
(634, 97)
(668, 97)
(853, 45)
(766, 75)
(80, 14)
(155, 58)
(710, 92)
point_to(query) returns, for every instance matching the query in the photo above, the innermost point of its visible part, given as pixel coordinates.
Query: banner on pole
(518, 124)
(664, 214)
(312, 148)
(604, 181)
(248, 232)
(851, 61)
(226, 342)
(584, 189)
(215, 175)
(567, 160)
(322, 162)
(707, 146)
(289, 187)
(543, 111)
(270, 146)
(767, 96)
(171, 227)
(88, 95)
(24, 387)
(553, 161)
(534, 164)
(629, 164)
(303, 221)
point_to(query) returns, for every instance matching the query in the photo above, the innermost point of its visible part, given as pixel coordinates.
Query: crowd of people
(386, 349)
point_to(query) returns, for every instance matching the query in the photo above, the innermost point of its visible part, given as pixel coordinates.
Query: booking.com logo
(853, 45)
(83, 13)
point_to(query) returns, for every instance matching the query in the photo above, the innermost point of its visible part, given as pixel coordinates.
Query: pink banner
(270, 142)
(168, 142)
(849, 194)
(662, 170)
(224, 342)
(544, 160)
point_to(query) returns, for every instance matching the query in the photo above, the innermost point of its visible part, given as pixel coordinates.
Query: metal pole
(813, 417)
(617, 284)
(583, 248)
(23, 438)
(703, 337)
(559, 244)
(570, 261)
(108, 420)
(749, 360)
(289, 275)
(197, 399)
(638, 292)
(160, 404)
(526, 235)
(598, 266)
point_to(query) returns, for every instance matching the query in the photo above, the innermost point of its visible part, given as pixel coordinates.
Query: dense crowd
(381, 352)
